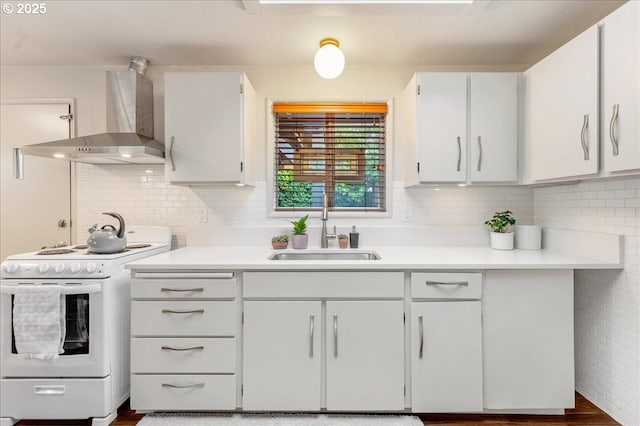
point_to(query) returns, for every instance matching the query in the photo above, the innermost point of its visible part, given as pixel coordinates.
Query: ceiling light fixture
(329, 59)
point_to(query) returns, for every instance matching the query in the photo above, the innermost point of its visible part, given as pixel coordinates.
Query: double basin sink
(326, 255)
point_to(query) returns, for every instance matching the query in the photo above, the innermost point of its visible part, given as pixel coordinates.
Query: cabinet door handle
(335, 336)
(173, 165)
(583, 137)
(183, 311)
(186, 386)
(446, 282)
(612, 129)
(18, 164)
(421, 331)
(459, 154)
(311, 331)
(479, 153)
(190, 348)
(197, 289)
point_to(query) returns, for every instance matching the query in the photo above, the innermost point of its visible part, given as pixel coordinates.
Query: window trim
(270, 130)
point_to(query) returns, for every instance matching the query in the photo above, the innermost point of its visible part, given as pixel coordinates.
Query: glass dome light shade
(329, 59)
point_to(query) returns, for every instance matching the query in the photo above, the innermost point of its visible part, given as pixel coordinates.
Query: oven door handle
(64, 289)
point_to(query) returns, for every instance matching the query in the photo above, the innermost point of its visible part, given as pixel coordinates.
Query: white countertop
(392, 258)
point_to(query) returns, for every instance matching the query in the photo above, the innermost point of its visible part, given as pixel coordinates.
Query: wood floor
(585, 413)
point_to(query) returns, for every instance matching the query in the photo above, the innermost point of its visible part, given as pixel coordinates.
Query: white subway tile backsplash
(607, 303)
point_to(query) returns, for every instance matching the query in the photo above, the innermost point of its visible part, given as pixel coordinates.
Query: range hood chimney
(129, 136)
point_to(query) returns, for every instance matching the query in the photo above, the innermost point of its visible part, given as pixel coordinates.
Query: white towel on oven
(39, 321)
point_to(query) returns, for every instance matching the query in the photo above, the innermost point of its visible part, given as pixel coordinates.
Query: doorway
(35, 192)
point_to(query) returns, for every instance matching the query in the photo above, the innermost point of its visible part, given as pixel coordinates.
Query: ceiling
(245, 32)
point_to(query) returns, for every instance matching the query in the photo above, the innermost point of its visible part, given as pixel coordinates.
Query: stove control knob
(11, 268)
(74, 268)
(90, 267)
(43, 268)
(58, 268)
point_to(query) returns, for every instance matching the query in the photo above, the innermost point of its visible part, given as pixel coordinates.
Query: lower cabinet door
(282, 355)
(446, 356)
(365, 355)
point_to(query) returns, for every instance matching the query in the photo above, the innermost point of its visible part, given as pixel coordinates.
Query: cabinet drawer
(183, 318)
(183, 392)
(428, 285)
(209, 288)
(183, 355)
(324, 284)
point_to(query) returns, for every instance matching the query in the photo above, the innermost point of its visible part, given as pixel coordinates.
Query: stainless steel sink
(326, 255)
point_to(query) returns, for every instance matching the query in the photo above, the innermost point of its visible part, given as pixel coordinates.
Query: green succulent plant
(300, 226)
(501, 222)
(280, 238)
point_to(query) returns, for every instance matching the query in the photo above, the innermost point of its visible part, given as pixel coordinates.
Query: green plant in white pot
(501, 226)
(300, 238)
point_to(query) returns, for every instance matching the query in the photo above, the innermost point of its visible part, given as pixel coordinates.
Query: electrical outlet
(406, 214)
(203, 215)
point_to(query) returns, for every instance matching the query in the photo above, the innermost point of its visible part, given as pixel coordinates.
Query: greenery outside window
(336, 148)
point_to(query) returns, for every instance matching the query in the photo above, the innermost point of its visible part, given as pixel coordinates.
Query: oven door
(84, 345)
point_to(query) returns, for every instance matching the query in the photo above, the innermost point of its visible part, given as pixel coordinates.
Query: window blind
(337, 148)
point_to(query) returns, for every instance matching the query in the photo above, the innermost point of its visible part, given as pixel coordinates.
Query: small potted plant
(501, 226)
(280, 242)
(300, 238)
(343, 240)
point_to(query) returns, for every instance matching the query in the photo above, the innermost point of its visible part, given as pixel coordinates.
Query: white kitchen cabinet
(365, 369)
(209, 128)
(446, 341)
(184, 339)
(562, 111)
(446, 356)
(493, 127)
(282, 355)
(461, 127)
(620, 86)
(528, 339)
(317, 353)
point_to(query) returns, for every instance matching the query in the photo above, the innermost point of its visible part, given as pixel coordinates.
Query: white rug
(203, 419)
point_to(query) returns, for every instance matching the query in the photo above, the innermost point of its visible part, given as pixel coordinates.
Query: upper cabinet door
(442, 127)
(207, 130)
(562, 97)
(493, 123)
(620, 37)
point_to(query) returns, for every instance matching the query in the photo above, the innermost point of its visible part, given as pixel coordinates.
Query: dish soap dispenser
(353, 237)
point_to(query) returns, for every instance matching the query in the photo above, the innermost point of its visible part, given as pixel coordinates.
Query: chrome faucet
(324, 216)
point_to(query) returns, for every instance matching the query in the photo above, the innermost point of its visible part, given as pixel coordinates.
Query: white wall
(607, 303)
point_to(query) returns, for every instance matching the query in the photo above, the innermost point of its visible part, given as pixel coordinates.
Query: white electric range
(90, 379)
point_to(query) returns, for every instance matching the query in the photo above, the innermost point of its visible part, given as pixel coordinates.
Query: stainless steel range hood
(129, 136)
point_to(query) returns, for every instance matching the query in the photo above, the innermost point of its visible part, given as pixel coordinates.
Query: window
(334, 148)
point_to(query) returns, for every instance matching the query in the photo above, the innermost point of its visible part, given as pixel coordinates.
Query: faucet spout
(324, 216)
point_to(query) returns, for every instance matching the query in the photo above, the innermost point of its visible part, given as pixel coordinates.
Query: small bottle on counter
(353, 237)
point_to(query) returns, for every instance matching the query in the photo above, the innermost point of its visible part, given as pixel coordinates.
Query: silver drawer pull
(198, 289)
(447, 282)
(49, 390)
(311, 332)
(583, 137)
(335, 336)
(190, 348)
(421, 331)
(183, 311)
(459, 155)
(612, 129)
(192, 385)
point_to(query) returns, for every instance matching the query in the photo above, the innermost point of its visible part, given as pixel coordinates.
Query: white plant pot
(300, 241)
(502, 240)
